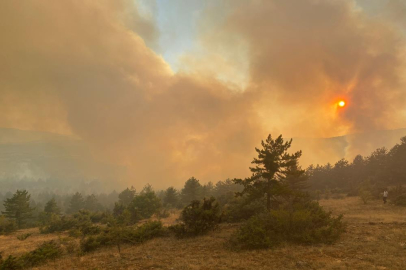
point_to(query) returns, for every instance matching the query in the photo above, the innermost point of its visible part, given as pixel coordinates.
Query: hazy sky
(174, 88)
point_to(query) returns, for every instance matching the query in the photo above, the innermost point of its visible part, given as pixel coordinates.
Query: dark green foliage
(18, 207)
(299, 221)
(171, 197)
(145, 204)
(7, 225)
(117, 235)
(76, 203)
(11, 263)
(47, 251)
(224, 191)
(241, 208)
(191, 191)
(126, 196)
(52, 207)
(198, 218)
(23, 236)
(79, 223)
(58, 224)
(92, 204)
(381, 168)
(273, 165)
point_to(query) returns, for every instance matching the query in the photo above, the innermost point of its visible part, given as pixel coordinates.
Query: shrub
(145, 204)
(117, 234)
(23, 236)
(242, 209)
(58, 224)
(47, 251)
(7, 226)
(365, 196)
(197, 218)
(11, 263)
(89, 244)
(300, 221)
(78, 223)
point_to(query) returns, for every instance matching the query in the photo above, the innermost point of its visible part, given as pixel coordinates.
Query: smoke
(89, 69)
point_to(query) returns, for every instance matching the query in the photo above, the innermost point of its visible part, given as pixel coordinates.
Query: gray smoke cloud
(88, 69)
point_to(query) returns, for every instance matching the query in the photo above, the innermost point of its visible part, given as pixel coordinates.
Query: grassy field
(375, 239)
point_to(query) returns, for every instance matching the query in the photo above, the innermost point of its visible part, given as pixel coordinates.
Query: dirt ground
(375, 239)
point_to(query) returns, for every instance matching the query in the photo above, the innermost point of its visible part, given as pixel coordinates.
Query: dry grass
(375, 239)
(10, 245)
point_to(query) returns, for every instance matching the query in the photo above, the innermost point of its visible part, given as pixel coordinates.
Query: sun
(341, 103)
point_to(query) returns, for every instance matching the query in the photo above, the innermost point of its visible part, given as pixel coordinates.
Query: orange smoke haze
(88, 69)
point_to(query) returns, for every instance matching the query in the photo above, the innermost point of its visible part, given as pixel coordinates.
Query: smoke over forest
(94, 72)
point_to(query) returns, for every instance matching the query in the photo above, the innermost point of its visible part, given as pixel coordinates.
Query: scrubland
(375, 239)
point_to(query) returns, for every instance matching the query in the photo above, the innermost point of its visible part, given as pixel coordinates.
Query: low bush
(300, 221)
(58, 224)
(11, 263)
(117, 235)
(47, 251)
(7, 226)
(240, 208)
(23, 236)
(198, 218)
(79, 223)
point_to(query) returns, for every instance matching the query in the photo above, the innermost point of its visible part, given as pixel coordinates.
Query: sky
(170, 89)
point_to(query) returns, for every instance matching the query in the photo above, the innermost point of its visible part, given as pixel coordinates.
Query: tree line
(378, 171)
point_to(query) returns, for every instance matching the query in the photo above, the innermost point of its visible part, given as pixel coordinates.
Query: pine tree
(18, 207)
(171, 197)
(145, 204)
(76, 203)
(273, 165)
(92, 204)
(52, 207)
(126, 196)
(191, 191)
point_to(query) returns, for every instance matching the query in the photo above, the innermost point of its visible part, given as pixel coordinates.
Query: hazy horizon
(158, 91)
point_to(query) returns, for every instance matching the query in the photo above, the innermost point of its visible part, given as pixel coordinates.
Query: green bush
(47, 251)
(241, 208)
(198, 219)
(80, 222)
(89, 244)
(7, 226)
(11, 263)
(300, 221)
(23, 236)
(58, 224)
(116, 235)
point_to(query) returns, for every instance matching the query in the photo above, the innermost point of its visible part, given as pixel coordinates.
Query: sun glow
(341, 103)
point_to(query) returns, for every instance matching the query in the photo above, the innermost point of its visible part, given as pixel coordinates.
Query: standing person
(385, 196)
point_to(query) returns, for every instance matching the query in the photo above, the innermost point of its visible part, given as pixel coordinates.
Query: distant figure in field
(385, 196)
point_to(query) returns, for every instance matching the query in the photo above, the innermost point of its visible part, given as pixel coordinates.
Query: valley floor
(375, 239)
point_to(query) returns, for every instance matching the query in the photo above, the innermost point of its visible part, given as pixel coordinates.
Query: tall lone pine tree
(274, 164)
(18, 207)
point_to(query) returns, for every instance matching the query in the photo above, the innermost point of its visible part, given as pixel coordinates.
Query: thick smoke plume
(88, 69)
